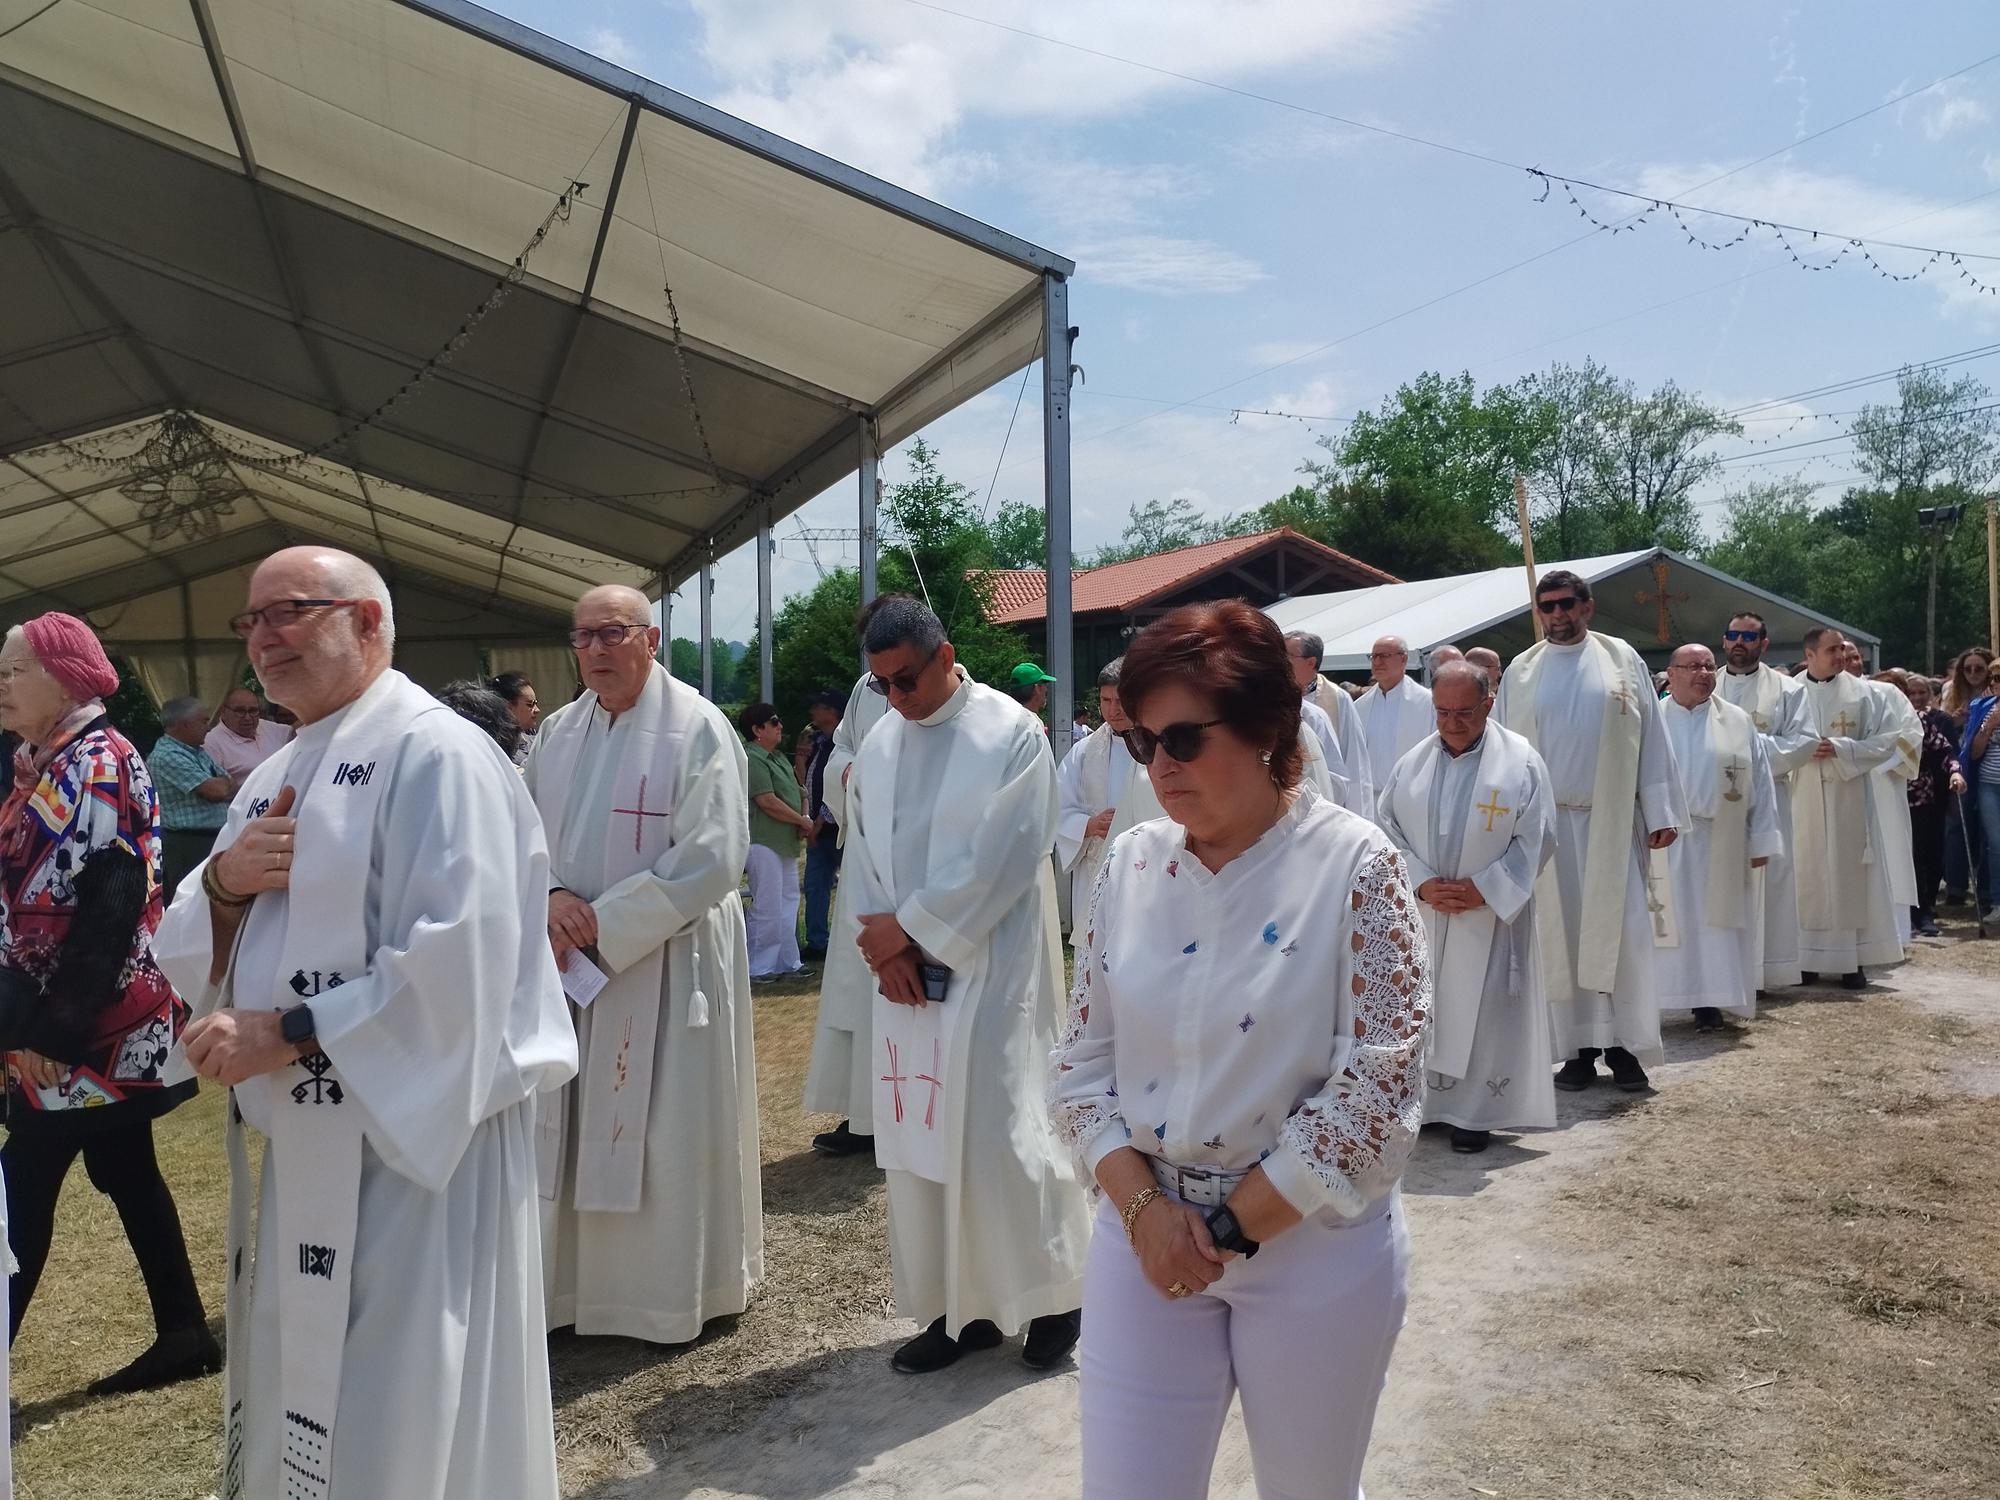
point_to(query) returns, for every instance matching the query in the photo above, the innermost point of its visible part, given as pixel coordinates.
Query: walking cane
(1971, 869)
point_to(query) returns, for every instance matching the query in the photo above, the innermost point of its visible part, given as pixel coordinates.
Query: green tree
(816, 647)
(1164, 526)
(1651, 460)
(684, 660)
(1440, 435)
(1402, 526)
(1019, 536)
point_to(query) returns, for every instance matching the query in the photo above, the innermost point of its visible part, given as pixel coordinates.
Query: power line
(1962, 356)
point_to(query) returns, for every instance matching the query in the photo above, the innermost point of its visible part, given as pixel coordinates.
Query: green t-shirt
(771, 772)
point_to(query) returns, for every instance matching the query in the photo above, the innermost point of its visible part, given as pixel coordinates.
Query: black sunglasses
(1182, 742)
(1550, 606)
(1743, 635)
(904, 681)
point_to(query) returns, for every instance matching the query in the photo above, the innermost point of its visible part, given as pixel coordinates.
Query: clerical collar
(1576, 645)
(1751, 673)
(952, 704)
(1836, 676)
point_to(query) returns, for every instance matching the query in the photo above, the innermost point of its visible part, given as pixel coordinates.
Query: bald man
(651, 1207)
(1442, 656)
(1489, 659)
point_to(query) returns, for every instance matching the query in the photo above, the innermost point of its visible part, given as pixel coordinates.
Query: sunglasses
(1182, 742)
(904, 681)
(1743, 635)
(1550, 606)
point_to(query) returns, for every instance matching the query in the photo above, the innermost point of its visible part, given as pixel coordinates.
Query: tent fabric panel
(551, 668)
(1006, 347)
(385, 108)
(41, 309)
(143, 55)
(163, 672)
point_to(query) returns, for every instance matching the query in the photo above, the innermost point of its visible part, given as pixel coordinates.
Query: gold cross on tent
(1663, 629)
(1491, 807)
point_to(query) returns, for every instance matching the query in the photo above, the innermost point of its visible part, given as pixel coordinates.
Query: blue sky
(1219, 239)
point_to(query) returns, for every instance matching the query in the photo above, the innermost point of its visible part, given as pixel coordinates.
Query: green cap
(1028, 674)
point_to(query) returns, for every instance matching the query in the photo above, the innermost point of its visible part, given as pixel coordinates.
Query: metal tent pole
(707, 626)
(765, 630)
(1061, 633)
(870, 499)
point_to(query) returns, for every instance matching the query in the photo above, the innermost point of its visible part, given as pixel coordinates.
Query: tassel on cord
(698, 1001)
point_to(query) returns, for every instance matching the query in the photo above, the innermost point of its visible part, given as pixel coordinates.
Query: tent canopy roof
(1491, 608)
(273, 215)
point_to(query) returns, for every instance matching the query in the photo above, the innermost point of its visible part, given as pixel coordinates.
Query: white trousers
(1304, 1331)
(773, 918)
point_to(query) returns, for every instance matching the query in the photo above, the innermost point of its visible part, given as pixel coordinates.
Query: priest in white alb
(365, 952)
(1776, 703)
(1354, 785)
(1395, 712)
(651, 1200)
(953, 814)
(1090, 783)
(1470, 808)
(1711, 963)
(1888, 794)
(840, 1078)
(1846, 908)
(1585, 702)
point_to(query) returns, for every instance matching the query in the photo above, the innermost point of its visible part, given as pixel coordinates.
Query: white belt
(1205, 1187)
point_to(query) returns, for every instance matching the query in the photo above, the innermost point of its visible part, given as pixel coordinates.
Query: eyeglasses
(1461, 715)
(903, 682)
(1182, 742)
(1691, 666)
(284, 612)
(604, 635)
(1743, 635)
(1550, 606)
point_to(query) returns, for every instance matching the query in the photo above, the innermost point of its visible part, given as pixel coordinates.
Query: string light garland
(1850, 245)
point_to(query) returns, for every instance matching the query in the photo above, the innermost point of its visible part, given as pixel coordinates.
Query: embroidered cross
(316, 1260)
(1843, 727)
(1729, 774)
(302, 986)
(895, 1079)
(323, 1092)
(1492, 807)
(639, 815)
(346, 774)
(936, 1083)
(1622, 695)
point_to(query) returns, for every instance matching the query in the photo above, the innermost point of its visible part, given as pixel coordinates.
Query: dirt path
(1635, 1304)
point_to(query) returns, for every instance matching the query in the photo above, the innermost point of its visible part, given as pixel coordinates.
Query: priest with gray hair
(952, 813)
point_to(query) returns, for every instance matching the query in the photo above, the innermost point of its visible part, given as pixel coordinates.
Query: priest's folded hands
(893, 957)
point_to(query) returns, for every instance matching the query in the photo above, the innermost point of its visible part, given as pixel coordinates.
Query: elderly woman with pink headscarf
(86, 1017)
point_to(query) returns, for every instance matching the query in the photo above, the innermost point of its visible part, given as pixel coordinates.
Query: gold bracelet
(217, 892)
(1136, 1207)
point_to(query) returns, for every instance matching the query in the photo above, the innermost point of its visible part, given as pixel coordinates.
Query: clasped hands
(1450, 895)
(1174, 1247)
(572, 925)
(893, 957)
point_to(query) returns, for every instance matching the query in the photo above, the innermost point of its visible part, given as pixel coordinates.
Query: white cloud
(1166, 265)
(613, 48)
(1952, 115)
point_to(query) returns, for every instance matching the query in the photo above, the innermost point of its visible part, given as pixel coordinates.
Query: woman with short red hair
(1243, 1076)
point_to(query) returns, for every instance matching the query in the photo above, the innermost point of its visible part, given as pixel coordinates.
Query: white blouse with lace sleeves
(1276, 1012)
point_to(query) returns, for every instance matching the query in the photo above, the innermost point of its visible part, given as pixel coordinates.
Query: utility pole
(1992, 571)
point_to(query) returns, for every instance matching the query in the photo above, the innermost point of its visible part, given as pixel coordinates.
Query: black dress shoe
(1707, 1018)
(842, 1142)
(813, 955)
(184, 1354)
(1467, 1142)
(1051, 1338)
(1625, 1070)
(1578, 1074)
(1858, 980)
(934, 1349)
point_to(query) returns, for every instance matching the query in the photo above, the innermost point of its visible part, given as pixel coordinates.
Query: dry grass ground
(1778, 1278)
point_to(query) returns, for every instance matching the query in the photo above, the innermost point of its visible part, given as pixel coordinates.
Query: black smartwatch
(1228, 1234)
(296, 1026)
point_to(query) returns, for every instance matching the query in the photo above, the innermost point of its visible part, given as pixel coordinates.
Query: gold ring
(1179, 1290)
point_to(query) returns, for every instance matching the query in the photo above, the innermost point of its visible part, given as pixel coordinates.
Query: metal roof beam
(54, 347)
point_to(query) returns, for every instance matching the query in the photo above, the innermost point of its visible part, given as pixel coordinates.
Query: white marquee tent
(272, 215)
(1654, 598)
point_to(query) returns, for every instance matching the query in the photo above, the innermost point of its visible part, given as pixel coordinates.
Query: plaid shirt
(177, 770)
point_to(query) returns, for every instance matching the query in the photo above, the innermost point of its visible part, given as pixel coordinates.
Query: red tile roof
(1021, 594)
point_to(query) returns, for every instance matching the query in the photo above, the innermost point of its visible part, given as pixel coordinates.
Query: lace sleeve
(1345, 1147)
(1082, 1091)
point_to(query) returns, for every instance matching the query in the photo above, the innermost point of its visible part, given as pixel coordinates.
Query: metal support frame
(766, 688)
(708, 628)
(1061, 622)
(870, 499)
(666, 652)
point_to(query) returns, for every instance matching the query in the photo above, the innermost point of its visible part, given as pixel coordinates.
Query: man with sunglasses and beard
(1585, 702)
(952, 814)
(1776, 704)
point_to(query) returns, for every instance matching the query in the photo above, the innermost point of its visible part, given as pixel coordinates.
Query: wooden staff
(1992, 575)
(1527, 550)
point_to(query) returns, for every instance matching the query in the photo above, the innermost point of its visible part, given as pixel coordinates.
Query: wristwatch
(296, 1026)
(1228, 1234)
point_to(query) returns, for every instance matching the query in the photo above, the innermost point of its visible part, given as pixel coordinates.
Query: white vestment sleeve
(1792, 739)
(1765, 840)
(1509, 882)
(422, 1037)
(710, 833)
(1083, 1072)
(1080, 789)
(951, 920)
(1857, 757)
(847, 739)
(1662, 802)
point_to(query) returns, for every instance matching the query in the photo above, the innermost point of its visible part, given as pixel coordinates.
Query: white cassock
(1776, 703)
(1093, 777)
(1733, 808)
(651, 1200)
(841, 1079)
(1846, 906)
(1889, 804)
(1486, 816)
(398, 1197)
(1392, 723)
(1337, 704)
(1589, 710)
(1328, 712)
(953, 820)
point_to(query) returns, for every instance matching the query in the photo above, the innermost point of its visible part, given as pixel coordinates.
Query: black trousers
(1927, 852)
(122, 1166)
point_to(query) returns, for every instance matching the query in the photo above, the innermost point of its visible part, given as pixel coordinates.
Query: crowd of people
(482, 982)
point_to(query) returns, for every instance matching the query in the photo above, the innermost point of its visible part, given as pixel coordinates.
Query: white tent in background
(1654, 598)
